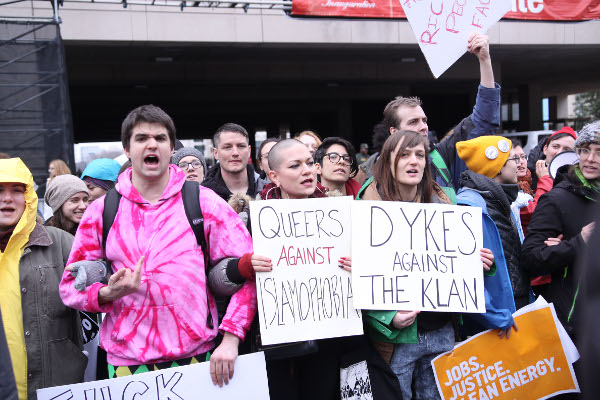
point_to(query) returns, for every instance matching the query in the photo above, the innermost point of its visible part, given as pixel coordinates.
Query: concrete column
(344, 124)
(530, 108)
(562, 107)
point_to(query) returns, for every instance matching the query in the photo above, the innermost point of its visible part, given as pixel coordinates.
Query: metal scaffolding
(284, 5)
(35, 113)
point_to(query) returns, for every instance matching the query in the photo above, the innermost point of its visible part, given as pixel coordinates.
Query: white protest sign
(443, 27)
(306, 296)
(181, 383)
(413, 256)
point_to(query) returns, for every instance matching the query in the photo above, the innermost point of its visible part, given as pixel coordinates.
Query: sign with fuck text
(306, 296)
(180, 383)
(413, 256)
(532, 364)
(443, 27)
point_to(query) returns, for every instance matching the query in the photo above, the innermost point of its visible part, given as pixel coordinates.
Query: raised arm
(479, 44)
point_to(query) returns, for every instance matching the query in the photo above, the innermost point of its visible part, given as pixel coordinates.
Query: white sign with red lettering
(443, 27)
(306, 296)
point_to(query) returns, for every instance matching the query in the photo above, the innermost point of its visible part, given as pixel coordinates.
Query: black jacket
(498, 198)
(214, 180)
(565, 210)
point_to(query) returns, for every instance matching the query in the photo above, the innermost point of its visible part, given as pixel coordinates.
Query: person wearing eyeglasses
(337, 165)
(490, 183)
(192, 162)
(566, 210)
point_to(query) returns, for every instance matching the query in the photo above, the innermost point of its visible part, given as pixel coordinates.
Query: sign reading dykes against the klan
(412, 256)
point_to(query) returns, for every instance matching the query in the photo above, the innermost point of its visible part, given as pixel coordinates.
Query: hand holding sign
(402, 319)
(480, 46)
(261, 263)
(506, 332)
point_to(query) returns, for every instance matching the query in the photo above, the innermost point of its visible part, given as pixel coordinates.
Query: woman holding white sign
(315, 375)
(402, 173)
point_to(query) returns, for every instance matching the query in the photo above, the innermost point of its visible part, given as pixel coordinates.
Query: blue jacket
(485, 120)
(499, 298)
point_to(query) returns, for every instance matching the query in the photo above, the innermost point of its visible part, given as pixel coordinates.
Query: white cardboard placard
(180, 383)
(442, 27)
(306, 296)
(413, 256)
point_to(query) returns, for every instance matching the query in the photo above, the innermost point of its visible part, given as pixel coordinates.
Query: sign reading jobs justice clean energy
(412, 256)
(306, 296)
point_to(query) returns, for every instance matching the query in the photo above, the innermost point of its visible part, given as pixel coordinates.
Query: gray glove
(88, 272)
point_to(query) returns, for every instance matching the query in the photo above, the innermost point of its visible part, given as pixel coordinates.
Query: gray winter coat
(52, 330)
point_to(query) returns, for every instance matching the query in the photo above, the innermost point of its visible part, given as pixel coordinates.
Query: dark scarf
(214, 180)
(498, 198)
(5, 237)
(525, 184)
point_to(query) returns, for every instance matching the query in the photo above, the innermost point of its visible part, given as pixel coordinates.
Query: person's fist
(479, 44)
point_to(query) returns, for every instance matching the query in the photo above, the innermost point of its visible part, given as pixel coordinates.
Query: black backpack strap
(190, 194)
(111, 207)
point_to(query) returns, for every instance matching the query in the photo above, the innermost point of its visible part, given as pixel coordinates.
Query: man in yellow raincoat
(43, 335)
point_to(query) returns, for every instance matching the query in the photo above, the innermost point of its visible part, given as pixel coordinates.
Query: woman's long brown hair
(382, 171)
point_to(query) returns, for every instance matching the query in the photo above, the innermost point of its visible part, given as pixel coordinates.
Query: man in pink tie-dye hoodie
(156, 299)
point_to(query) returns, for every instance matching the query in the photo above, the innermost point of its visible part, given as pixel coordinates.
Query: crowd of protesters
(125, 242)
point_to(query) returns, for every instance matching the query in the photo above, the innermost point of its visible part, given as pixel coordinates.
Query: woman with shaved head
(293, 175)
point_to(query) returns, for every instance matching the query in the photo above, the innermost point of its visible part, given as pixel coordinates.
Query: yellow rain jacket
(43, 335)
(13, 170)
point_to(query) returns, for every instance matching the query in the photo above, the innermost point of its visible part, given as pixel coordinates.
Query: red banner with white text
(546, 10)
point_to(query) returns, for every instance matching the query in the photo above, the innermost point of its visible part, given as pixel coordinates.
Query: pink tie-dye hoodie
(166, 319)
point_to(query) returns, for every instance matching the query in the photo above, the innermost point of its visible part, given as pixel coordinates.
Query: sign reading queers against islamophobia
(443, 27)
(306, 296)
(180, 383)
(414, 256)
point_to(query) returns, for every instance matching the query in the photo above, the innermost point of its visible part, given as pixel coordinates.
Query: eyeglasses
(186, 165)
(523, 157)
(517, 160)
(335, 158)
(585, 153)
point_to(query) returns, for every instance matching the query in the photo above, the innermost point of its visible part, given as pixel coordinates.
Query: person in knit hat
(192, 162)
(566, 210)
(100, 176)
(69, 197)
(490, 183)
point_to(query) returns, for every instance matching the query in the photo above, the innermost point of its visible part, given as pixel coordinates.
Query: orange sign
(530, 365)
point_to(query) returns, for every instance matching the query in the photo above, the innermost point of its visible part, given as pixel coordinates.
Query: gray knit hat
(588, 134)
(188, 151)
(61, 188)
